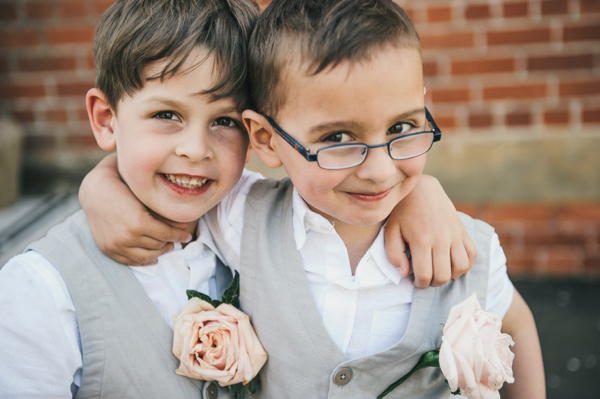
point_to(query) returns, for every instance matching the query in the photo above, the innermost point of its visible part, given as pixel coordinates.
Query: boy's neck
(357, 239)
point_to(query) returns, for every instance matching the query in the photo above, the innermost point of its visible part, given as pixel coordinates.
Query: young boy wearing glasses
(339, 102)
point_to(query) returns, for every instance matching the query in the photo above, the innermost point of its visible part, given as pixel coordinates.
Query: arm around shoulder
(528, 367)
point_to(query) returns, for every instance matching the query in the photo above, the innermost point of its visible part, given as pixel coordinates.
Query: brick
(430, 68)
(563, 260)
(70, 35)
(25, 116)
(446, 41)
(102, 5)
(82, 115)
(545, 63)
(589, 6)
(523, 36)
(449, 95)
(477, 11)
(3, 65)
(40, 64)
(518, 119)
(576, 89)
(11, 91)
(515, 92)
(446, 121)
(591, 265)
(480, 120)
(591, 115)
(24, 38)
(33, 143)
(74, 89)
(550, 237)
(439, 14)
(581, 33)
(517, 213)
(483, 66)
(8, 11)
(558, 117)
(56, 115)
(517, 9)
(72, 9)
(39, 9)
(520, 263)
(555, 7)
(582, 212)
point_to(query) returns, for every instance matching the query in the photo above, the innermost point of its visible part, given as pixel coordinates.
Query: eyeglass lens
(347, 156)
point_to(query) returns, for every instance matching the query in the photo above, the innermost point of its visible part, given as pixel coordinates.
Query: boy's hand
(440, 247)
(122, 227)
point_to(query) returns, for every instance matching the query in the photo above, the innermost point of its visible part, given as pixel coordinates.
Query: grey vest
(126, 343)
(304, 362)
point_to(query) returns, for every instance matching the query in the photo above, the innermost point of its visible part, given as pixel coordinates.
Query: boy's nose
(195, 145)
(378, 166)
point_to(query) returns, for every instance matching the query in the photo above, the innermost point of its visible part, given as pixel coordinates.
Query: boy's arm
(123, 228)
(440, 247)
(528, 368)
(40, 356)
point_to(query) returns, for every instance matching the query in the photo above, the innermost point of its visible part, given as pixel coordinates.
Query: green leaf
(428, 359)
(241, 391)
(232, 294)
(195, 294)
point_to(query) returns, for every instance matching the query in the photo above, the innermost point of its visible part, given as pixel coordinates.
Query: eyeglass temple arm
(437, 133)
(292, 141)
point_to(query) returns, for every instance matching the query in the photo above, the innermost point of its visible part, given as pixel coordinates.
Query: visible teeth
(185, 181)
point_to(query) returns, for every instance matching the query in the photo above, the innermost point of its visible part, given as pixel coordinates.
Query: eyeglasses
(343, 156)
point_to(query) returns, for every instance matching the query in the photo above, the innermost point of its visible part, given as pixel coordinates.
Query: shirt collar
(304, 220)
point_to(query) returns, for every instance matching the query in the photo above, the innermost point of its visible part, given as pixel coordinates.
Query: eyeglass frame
(305, 152)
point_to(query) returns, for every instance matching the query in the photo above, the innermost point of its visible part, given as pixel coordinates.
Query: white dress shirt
(40, 346)
(366, 312)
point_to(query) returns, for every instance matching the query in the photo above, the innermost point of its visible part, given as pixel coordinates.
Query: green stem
(428, 359)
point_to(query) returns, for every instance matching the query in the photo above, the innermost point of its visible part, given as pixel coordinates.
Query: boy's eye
(227, 122)
(338, 137)
(167, 115)
(401, 127)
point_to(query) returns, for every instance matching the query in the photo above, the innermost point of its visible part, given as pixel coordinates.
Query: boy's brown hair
(132, 34)
(319, 34)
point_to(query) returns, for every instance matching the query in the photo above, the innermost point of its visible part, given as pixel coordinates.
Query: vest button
(342, 376)
(211, 390)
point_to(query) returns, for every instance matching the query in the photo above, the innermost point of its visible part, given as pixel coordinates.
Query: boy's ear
(261, 138)
(101, 119)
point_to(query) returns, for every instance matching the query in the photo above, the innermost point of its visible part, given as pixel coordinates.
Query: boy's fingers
(395, 248)
(422, 266)
(163, 232)
(441, 267)
(140, 256)
(469, 246)
(460, 260)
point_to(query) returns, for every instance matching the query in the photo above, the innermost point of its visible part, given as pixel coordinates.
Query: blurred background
(514, 86)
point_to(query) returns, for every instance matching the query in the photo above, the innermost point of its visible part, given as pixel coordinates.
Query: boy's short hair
(132, 34)
(317, 34)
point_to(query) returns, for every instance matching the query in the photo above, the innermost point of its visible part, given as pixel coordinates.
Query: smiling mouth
(371, 197)
(186, 181)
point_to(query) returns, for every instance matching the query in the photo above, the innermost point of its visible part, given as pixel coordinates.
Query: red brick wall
(46, 68)
(490, 65)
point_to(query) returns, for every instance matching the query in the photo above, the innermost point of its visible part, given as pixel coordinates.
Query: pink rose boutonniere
(215, 341)
(475, 356)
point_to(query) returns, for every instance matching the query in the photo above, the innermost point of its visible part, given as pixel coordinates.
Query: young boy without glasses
(170, 89)
(76, 323)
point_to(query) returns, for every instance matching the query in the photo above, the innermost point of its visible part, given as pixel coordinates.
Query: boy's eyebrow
(166, 101)
(351, 125)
